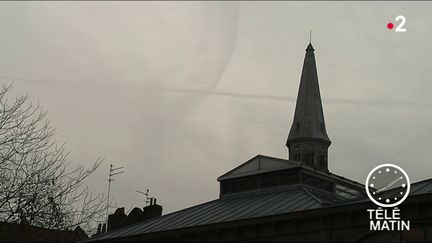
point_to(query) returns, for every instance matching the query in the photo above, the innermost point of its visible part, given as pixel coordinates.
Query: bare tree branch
(37, 184)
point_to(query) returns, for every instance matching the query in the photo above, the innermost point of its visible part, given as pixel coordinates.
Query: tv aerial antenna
(112, 172)
(146, 194)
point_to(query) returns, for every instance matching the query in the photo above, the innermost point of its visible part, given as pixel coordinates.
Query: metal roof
(240, 206)
(421, 187)
(259, 164)
(417, 188)
(246, 205)
(263, 164)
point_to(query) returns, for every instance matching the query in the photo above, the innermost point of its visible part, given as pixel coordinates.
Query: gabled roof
(241, 206)
(259, 164)
(308, 119)
(264, 164)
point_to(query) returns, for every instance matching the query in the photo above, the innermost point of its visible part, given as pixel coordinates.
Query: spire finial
(310, 36)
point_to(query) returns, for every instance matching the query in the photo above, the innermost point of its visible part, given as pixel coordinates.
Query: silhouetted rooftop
(255, 204)
(239, 206)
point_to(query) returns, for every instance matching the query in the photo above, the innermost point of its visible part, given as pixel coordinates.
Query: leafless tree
(38, 185)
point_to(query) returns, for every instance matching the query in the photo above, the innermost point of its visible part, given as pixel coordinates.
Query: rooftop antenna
(146, 194)
(112, 172)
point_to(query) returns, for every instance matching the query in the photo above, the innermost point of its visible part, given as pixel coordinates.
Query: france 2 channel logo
(400, 27)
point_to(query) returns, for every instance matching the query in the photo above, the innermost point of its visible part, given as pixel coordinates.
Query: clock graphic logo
(387, 185)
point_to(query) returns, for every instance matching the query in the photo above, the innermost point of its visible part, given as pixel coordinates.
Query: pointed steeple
(308, 140)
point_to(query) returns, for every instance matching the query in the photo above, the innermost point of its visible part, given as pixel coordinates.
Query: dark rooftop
(239, 206)
(259, 164)
(255, 204)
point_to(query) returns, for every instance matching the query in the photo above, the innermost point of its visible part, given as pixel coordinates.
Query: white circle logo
(387, 185)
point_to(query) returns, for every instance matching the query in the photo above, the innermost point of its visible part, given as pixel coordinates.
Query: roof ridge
(311, 194)
(333, 174)
(281, 164)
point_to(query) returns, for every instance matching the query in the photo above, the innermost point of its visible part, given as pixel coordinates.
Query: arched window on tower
(321, 161)
(309, 159)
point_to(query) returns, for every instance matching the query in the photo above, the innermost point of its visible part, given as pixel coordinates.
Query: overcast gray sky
(179, 93)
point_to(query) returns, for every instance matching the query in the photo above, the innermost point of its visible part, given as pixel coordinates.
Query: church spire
(307, 140)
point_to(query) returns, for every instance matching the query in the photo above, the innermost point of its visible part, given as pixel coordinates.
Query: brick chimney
(119, 219)
(116, 219)
(153, 210)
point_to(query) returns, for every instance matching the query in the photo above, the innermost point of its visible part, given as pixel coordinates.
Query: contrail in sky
(369, 102)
